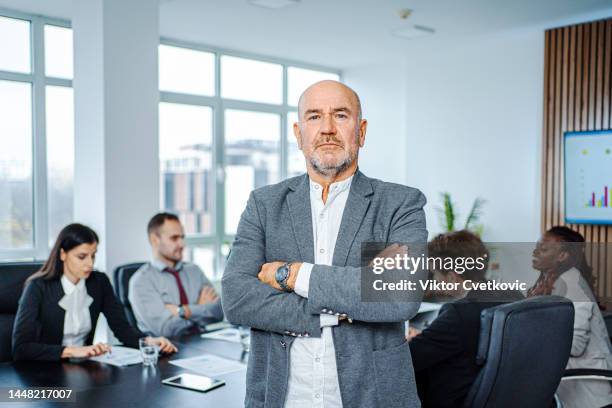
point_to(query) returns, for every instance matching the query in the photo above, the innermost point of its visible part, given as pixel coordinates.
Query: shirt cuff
(302, 283)
(327, 320)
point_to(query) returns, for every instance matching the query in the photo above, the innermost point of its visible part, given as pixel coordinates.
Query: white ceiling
(343, 33)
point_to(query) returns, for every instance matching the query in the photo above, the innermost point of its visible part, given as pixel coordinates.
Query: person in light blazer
(564, 271)
(60, 305)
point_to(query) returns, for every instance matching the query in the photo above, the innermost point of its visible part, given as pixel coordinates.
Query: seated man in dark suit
(444, 354)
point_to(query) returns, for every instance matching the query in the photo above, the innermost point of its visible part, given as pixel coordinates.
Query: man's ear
(154, 239)
(363, 127)
(563, 257)
(298, 134)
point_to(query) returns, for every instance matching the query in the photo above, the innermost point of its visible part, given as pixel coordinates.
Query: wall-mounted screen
(588, 177)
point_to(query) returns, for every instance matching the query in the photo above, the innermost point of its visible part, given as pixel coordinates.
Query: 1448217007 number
(24, 394)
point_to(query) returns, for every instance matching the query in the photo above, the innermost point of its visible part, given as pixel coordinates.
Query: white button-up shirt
(77, 320)
(313, 376)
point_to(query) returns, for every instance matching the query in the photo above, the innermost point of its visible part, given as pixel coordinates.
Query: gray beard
(331, 170)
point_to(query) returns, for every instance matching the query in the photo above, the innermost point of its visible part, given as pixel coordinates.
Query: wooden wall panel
(577, 96)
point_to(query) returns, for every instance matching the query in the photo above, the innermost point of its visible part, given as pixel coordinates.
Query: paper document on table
(120, 356)
(217, 326)
(429, 307)
(232, 335)
(209, 365)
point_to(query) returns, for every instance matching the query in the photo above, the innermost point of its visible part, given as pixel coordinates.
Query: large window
(16, 217)
(226, 128)
(36, 133)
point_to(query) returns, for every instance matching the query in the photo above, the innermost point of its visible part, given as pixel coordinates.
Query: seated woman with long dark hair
(564, 271)
(60, 305)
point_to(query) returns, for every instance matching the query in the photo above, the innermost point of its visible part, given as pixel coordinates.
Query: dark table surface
(102, 385)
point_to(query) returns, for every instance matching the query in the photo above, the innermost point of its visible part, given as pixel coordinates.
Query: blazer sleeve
(246, 300)
(438, 342)
(26, 331)
(113, 311)
(339, 288)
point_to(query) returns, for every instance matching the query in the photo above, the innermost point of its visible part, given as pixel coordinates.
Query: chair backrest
(523, 348)
(122, 276)
(12, 279)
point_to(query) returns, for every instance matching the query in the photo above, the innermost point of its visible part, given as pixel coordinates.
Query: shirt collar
(160, 266)
(69, 287)
(334, 188)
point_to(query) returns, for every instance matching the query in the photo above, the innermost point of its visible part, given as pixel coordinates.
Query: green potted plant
(448, 215)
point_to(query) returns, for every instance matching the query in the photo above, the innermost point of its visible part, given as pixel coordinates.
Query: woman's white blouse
(77, 322)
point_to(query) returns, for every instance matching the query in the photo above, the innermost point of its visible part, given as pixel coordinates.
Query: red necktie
(182, 294)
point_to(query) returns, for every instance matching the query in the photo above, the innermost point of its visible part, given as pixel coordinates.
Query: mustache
(329, 140)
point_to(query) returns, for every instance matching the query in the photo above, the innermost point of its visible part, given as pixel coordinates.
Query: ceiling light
(413, 31)
(273, 4)
(404, 13)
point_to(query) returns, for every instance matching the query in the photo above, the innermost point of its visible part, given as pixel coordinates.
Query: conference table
(101, 385)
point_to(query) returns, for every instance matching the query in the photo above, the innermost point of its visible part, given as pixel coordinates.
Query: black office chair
(608, 321)
(122, 276)
(12, 280)
(523, 349)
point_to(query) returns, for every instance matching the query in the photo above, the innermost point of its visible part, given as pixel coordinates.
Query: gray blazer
(373, 359)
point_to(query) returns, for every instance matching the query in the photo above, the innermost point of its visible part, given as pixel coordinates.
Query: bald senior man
(294, 272)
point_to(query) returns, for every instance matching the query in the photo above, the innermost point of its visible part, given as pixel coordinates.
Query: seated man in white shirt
(171, 297)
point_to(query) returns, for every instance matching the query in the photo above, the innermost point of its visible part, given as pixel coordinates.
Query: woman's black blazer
(39, 324)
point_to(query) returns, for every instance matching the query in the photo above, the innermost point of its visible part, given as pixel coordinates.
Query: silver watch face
(282, 273)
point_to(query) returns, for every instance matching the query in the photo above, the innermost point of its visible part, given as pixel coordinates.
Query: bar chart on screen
(602, 201)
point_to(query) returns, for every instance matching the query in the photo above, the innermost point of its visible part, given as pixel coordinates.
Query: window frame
(219, 240)
(38, 81)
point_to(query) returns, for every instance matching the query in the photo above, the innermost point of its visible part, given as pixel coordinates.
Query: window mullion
(283, 142)
(219, 165)
(16, 76)
(39, 147)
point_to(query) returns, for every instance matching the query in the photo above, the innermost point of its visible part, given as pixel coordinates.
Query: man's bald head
(329, 86)
(330, 131)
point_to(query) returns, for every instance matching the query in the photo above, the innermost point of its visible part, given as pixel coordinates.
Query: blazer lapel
(357, 205)
(56, 293)
(94, 307)
(298, 201)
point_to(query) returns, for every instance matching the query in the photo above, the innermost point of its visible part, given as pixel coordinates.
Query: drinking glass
(149, 352)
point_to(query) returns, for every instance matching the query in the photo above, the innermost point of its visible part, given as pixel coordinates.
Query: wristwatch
(181, 311)
(282, 276)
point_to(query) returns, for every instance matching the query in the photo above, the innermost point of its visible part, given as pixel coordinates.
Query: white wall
(116, 183)
(473, 128)
(381, 88)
